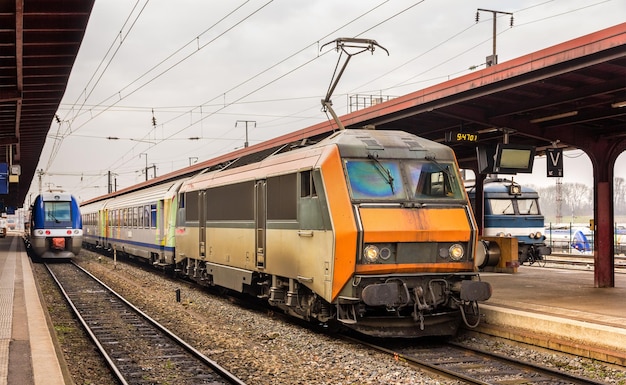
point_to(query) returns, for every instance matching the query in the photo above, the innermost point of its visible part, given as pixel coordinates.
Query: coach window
(139, 212)
(153, 216)
(124, 218)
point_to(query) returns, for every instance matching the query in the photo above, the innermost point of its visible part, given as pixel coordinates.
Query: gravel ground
(258, 347)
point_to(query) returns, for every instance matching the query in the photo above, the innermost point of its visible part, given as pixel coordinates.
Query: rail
(136, 347)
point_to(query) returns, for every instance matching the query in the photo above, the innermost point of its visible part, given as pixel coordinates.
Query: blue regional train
(513, 210)
(56, 229)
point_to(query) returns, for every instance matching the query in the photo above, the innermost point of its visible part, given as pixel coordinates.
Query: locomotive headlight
(456, 252)
(385, 253)
(538, 235)
(371, 253)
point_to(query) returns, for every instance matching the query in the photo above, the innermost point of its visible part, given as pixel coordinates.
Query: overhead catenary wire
(241, 100)
(58, 142)
(262, 72)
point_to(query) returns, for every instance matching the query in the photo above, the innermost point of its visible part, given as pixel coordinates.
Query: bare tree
(619, 192)
(578, 197)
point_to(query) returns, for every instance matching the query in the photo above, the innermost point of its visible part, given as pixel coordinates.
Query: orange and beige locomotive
(368, 229)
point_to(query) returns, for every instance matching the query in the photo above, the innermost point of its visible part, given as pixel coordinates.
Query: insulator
(477, 16)
(511, 20)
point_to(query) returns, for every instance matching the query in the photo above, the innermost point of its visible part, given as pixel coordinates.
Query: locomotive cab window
(434, 180)
(528, 206)
(375, 179)
(381, 180)
(502, 206)
(514, 206)
(57, 214)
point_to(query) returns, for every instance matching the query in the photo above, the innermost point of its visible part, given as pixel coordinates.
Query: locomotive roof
(351, 143)
(499, 188)
(56, 196)
(388, 144)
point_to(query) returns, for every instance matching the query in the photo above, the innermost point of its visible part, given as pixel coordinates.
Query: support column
(604, 260)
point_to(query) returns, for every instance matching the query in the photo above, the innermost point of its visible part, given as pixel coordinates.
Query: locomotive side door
(260, 221)
(202, 223)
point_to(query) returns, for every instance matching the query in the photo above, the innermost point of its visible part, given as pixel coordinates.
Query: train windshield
(508, 206)
(395, 180)
(57, 213)
(528, 206)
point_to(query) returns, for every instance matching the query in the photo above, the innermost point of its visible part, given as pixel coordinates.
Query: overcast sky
(202, 68)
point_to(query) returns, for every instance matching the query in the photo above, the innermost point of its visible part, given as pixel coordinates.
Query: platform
(555, 308)
(27, 354)
(558, 309)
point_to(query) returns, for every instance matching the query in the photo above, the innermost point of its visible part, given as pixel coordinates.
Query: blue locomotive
(55, 227)
(513, 210)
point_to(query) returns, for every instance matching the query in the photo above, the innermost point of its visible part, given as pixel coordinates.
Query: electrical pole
(493, 59)
(145, 169)
(246, 122)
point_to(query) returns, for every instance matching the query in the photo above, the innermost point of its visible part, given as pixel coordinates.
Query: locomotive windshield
(508, 206)
(394, 180)
(57, 214)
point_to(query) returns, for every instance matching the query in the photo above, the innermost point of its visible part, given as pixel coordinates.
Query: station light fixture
(554, 117)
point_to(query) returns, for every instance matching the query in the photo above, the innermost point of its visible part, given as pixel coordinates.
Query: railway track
(137, 348)
(476, 367)
(580, 262)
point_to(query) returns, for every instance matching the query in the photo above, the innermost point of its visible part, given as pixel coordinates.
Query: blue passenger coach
(56, 229)
(513, 210)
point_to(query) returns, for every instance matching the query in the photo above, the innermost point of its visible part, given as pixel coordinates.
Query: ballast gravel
(257, 346)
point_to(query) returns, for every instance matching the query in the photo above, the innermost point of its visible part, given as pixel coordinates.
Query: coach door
(202, 223)
(260, 221)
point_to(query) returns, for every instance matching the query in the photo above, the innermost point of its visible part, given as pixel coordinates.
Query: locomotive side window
(282, 196)
(307, 187)
(220, 208)
(191, 202)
